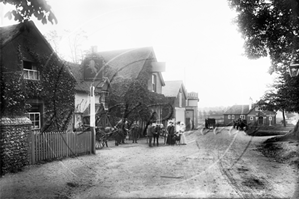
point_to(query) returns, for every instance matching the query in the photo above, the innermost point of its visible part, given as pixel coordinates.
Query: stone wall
(14, 143)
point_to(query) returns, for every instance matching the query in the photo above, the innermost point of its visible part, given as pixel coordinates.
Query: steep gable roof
(238, 109)
(126, 63)
(172, 88)
(8, 33)
(260, 112)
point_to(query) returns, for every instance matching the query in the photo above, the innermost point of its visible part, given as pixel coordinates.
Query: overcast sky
(196, 39)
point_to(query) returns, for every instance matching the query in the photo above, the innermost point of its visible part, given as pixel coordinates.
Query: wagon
(210, 123)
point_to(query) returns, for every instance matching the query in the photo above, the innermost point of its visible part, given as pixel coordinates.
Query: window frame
(34, 120)
(154, 83)
(31, 72)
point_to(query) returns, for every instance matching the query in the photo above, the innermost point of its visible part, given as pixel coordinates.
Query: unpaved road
(212, 165)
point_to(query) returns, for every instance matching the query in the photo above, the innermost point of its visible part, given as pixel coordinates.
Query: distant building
(185, 105)
(191, 113)
(177, 93)
(251, 115)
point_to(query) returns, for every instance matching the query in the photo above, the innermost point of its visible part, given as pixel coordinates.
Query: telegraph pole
(92, 118)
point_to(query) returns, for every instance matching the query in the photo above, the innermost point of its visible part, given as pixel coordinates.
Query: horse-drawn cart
(210, 123)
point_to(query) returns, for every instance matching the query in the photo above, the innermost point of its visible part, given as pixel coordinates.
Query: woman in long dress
(182, 136)
(170, 134)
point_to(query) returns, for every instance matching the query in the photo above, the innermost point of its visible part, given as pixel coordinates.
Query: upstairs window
(30, 71)
(154, 83)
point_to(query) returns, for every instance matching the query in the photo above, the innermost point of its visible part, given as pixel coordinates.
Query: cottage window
(30, 71)
(233, 117)
(154, 82)
(251, 118)
(242, 116)
(229, 116)
(34, 114)
(35, 119)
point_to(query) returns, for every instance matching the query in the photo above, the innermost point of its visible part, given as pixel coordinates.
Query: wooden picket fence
(50, 146)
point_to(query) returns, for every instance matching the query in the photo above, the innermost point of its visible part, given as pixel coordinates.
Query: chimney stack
(250, 103)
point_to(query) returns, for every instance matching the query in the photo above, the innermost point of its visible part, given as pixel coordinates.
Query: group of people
(172, 134)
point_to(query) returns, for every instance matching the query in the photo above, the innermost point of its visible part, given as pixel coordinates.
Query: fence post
(32, 147)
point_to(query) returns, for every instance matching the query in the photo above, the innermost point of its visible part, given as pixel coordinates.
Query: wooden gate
(50, 146)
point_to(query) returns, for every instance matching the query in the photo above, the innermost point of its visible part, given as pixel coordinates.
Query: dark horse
(118, 135)
(156, 134)
(240, 124)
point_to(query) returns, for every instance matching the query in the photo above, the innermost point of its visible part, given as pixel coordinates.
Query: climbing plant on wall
(55, 89)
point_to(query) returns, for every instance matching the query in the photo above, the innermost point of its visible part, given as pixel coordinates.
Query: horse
(156, 134)
(102, 137)
(119, 135)
(240, 124)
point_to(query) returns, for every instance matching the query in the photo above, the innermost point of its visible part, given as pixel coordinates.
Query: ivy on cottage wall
(55, 89)
(130, 99)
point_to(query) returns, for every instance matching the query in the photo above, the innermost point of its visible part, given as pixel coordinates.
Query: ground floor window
(233, 117)
(242, 116)
(229, 116)
(35, 118)
(251, 118)
(34, 113)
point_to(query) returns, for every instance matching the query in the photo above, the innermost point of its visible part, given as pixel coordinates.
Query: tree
(24, 9)
(269, 28)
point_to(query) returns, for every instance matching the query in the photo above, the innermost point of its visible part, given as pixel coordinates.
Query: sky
(196, 39)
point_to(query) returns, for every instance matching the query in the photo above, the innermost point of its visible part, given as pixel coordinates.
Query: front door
(260, 120)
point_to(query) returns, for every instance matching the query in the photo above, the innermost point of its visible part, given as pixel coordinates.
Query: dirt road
(219, 164)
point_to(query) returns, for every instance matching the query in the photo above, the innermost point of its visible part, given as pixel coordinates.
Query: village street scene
(149, 99)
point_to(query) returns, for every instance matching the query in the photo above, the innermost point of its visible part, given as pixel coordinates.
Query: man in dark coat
(150, 131)
(171, 132)
(134, 132)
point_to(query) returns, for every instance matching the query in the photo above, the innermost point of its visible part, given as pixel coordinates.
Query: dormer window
(30, 71)
(154, 83)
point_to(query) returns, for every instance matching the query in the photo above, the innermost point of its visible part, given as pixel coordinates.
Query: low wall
(14, 145)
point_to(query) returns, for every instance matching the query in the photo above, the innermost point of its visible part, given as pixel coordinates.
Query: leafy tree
(270, 28)
(24, 9)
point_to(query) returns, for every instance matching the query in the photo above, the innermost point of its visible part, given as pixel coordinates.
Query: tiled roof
(238, 109)
(76, 71)
(128, 63)
(171, 89)
(9, 32)
(120, 63)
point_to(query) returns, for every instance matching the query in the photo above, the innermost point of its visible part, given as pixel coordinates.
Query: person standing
(182, 135)
(171, 132)
(134, 132)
